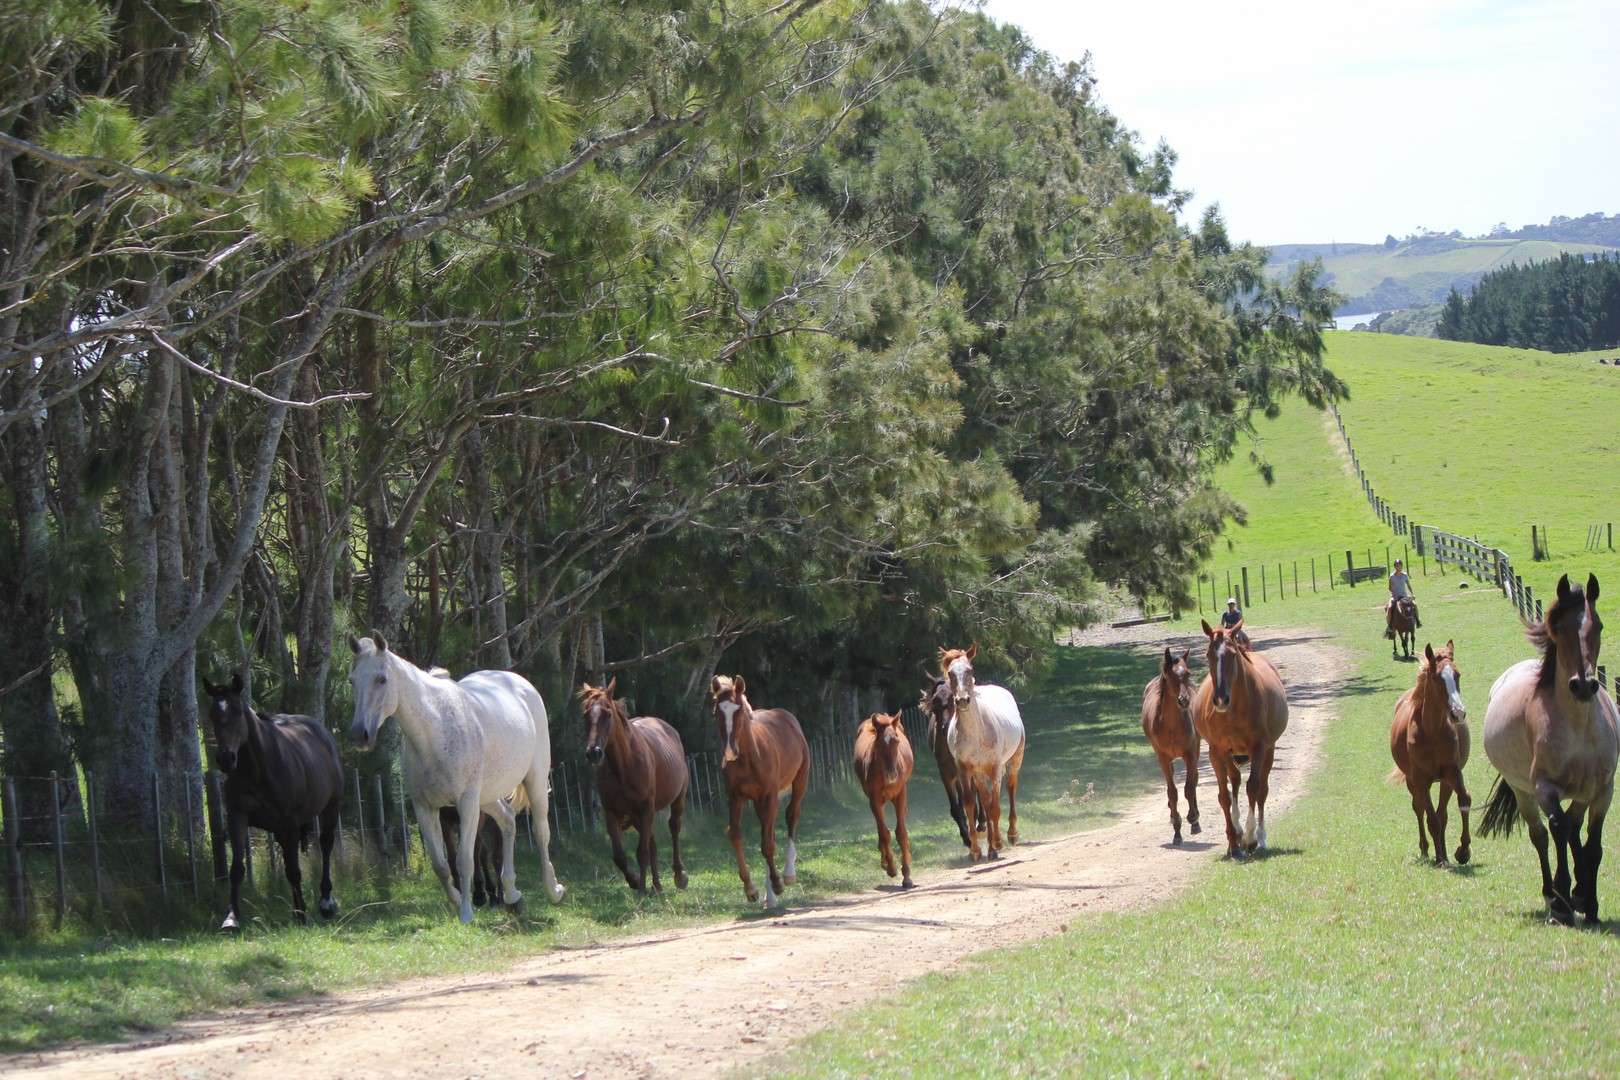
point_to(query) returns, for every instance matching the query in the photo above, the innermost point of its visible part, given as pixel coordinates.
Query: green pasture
(1339, 952)
(1085, 757)
(1359, 272)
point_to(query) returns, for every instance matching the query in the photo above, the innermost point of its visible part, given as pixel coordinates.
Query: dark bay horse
(282, 774)
(938, 705)
(1402, 626)
(1429, 741)
(766, 754)
(640, 769)
(1552, 732)
(486, 855)
(883, 764)
(1167, 722)
(1241, 710)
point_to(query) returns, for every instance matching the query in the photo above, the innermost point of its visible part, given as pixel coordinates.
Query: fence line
(59, 857)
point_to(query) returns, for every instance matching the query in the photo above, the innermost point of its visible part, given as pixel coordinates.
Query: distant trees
(1567, 304)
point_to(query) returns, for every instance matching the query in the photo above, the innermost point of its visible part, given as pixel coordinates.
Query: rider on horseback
(1400, 589)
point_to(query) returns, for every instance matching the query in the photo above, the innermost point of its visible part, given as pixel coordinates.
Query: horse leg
(329, 822)
(1256, 791)
(295, 872)
(1558, 824)
(471, 815)
(1190, 763)
(734, 832)
(537, 786)
(1594, 857)
(766, 809)
(1014, 766)
(677, 810)
(1538, 837)
(992, 799)
(615, 830)
(1577, 855)
(1464, 805)
(505, 819)
(427, 820)
(885, 856)
(971, 807)
(239, 841)
(487, 857)
(647, 847)
(903, 834)
(1170, 790)
(953, 792)
(1437, 823)
(1420, 809)
(801, 784)
(1224, 792)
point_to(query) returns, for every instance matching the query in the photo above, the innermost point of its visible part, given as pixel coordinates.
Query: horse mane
(1540, 635)
(439, 672)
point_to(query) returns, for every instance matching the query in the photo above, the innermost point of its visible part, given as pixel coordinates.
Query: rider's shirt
(1230, 619)
(1399, 585)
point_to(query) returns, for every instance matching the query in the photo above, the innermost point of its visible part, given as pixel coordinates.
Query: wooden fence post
(405, 829)
(216, 825)
(1296, 579)
(95, 836)
(1349, 568)
(157, 835)
(15, 888)
(1245, 588)
(1313, 573)
(382, 815)
(1535, 546)
(61, 852)
(1263, 596)
(191, 844)
(359, 813)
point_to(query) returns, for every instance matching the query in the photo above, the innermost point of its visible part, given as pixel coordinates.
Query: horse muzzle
(594, 755)
(1222, 705)
(226, 760)
(1583, 689)
(360, 737)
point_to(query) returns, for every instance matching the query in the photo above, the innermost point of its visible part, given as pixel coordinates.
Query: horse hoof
(230, 925)
(1176, 839)
(329, 909)
(1012, 838)
(752, 894)
(466, 918)
(907, 883)
(1196, 828)
(680, 879)
(1462, 856)
(1561, 914)
(557, 894)
(994, 854)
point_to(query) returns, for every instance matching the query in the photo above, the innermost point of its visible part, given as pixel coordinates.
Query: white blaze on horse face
(961, 672)
(1453, 695)
(728, 709)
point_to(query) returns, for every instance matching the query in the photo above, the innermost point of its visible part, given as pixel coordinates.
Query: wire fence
(62, 862)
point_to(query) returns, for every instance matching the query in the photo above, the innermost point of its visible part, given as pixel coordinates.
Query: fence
(1272, 581)
(59, 857)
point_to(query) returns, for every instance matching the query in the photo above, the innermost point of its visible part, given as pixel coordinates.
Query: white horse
(986, 737)
(467, 744)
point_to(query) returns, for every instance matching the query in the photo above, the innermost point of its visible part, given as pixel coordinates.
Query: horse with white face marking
(1241, 710)
(466, 743)
(1429, 741)
(986, 737)
(766, 756)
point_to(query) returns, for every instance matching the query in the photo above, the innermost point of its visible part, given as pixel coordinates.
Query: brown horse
(1167, 722)
(937, 704)
(765, 754)
(1552, 732)
(1241, 710)
(986, 738)
(883, 764)
(640, 769)
(1429, 741)
(1402, 627)
(486, 854)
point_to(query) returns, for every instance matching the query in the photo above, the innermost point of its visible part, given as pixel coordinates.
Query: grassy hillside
(1374, 278)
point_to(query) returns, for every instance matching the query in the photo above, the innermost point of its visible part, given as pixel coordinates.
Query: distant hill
(1420, 270)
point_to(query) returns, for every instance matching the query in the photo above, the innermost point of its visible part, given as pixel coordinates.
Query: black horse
(282, 773)
(486, 855)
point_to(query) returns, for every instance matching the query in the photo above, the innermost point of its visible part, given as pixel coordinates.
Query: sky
(1315, 122)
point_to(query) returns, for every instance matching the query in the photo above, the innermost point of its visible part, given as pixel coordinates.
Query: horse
(883, 764)
(640, 769)
(766, 754)
(1553, 734)
(986, 738)
(1241, 710)
(486, 870)
(282, 774)
(466, 743)
(1167, 723)
(1429, 741)
(1402, 627)
(937, 704)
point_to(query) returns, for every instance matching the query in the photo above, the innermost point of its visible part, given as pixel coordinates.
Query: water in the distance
(1349, 322)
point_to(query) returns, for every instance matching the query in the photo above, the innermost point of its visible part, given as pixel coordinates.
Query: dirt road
(703, 1000)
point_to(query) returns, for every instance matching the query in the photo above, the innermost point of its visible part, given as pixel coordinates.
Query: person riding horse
(1232, 619)
(1400, 592)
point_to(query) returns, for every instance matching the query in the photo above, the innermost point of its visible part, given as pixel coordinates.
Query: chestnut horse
(883, 764)
(1429, 741)
(1241, 710)
(1553, 734)
(937, 704)
(1167, 722)
(640, 769)
(1403, 627)
(766, 754)
(986, 738)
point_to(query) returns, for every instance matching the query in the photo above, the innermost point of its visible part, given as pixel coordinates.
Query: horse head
(1222, 655)
(731, 711)
(956, 668)
(1570, 636)
(601, 714)
(891, 734)
(1442, 668)
(229, 714)
(376, 690)
(1174, 670)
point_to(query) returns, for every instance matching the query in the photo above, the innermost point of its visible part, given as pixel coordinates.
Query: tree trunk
(488, 541)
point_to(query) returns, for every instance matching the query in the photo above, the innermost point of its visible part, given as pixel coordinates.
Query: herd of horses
(476, 752)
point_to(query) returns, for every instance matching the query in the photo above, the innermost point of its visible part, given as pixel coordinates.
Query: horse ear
(1563, 586)
(742, 687)
(354, 643)
(1169, 661)
(1591, 588)
(1428, 652)
(714, 686)
(1450, 647)
(613, 684)
(1209, 631)
(973, 650)
(380, 641)
(236, 682)
(211, 690)
(1185, 655)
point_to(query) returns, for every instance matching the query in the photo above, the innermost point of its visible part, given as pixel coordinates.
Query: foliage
(1565, 304)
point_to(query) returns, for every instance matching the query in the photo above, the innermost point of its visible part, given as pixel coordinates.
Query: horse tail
(1501, 810)
(1395, 776)
(519, 799)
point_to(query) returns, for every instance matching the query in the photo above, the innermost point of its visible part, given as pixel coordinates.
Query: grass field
(1340, 952)
(1084, 726)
